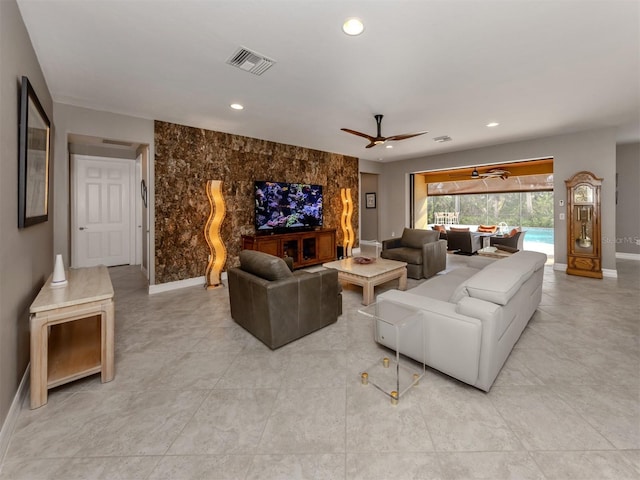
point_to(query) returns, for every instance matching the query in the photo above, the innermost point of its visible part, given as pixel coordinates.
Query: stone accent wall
(186, 157)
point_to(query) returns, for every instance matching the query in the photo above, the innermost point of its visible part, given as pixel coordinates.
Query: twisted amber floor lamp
(345, 221)
(218, 254)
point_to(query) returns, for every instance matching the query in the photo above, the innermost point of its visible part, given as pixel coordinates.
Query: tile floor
(197, 397)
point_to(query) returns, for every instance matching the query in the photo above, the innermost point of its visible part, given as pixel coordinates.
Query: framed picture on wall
(33, 159)
(370, 200)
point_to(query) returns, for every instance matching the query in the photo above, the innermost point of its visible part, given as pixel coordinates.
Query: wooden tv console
(306, 248)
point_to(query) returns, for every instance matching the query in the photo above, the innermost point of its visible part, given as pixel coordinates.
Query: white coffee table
(369, 275)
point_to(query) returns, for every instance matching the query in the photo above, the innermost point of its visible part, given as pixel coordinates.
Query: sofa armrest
(476, 242)
(434, 258)
(392, 243)
(319, 294)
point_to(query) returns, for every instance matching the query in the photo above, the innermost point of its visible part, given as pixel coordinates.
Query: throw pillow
(487, 228)
(439, 228)
(513, 232)
(459, 229)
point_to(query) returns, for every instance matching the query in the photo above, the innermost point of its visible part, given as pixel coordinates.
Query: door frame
(135, 205)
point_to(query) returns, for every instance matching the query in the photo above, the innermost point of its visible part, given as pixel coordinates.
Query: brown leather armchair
(278, 306)
(515, 241)
(423, 251)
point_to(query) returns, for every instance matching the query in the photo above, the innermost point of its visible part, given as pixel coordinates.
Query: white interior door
(102, 229)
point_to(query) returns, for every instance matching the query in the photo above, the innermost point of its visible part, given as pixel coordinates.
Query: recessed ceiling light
(236, 106)
(389, 146)
(493, 124)
(353, 26)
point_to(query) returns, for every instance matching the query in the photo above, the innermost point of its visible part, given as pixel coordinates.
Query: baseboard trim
(9, 424)
(606, 272)
(628, 256)
(178, 284)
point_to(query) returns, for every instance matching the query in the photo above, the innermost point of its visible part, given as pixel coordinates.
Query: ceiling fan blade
(496, 173)
(475, 175)
(405, 136)
(360, 134)
(379, 139)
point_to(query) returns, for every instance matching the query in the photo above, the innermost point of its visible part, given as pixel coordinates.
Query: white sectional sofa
(472, 315)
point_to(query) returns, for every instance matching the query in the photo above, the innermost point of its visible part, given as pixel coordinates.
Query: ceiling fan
(379, 139)
(491, 173)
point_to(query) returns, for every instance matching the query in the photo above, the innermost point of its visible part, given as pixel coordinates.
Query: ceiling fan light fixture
(353, 27)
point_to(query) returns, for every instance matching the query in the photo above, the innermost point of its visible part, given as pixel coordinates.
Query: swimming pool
(539, 235)
(539, 239)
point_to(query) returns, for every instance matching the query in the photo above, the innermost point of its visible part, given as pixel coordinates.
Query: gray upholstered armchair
(423, 251)
(464, 242)
(277, 305)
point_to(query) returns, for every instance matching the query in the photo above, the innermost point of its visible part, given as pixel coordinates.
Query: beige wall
(83, 121)
(594, 151)
(368, 216)
(26, 255)
(628, 207)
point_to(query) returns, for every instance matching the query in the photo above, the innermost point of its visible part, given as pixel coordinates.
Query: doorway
(103, 212)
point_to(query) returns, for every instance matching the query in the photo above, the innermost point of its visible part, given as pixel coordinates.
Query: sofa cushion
(443, 287)
(264, 265)
(459, 293)
(403, 254)
(497, 285)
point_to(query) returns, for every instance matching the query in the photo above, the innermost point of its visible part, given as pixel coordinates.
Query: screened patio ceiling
(527, 176)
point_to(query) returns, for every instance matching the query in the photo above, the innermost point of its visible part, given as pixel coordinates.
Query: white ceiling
(538, 67)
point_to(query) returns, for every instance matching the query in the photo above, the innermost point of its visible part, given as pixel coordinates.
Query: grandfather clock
(584, 240)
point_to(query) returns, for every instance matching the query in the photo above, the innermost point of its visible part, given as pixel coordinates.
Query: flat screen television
(281, 206)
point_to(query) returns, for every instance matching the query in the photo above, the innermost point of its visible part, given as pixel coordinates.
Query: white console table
(72, 331)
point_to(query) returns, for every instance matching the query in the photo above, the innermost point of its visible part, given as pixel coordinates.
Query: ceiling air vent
(251, 62)
(442, 139)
